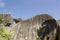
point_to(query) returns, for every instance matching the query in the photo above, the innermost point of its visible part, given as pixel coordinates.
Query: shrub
(4, 33)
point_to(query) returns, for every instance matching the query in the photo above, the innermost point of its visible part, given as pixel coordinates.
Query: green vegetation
(1, 19)
(4, 33)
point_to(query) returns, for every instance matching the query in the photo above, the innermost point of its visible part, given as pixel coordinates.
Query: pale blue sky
(27, 8)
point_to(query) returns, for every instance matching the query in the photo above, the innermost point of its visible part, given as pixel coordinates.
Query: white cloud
(2, 4)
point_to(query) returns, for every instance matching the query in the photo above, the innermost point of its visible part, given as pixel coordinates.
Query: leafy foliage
(4, 33)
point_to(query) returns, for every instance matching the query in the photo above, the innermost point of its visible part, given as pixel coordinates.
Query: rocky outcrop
(41, 26)
(17, 20)
(7, 19)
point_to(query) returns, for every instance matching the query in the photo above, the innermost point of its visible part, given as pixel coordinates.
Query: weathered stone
(28, 29)
(7, 19)
(58, 30)
(17, 20)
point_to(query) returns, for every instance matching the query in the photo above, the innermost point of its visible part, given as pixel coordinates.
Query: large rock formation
(41, 26)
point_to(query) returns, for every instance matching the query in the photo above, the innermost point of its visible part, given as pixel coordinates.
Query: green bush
(4, 33)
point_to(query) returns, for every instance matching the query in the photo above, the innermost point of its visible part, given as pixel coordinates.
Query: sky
(28, 8)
